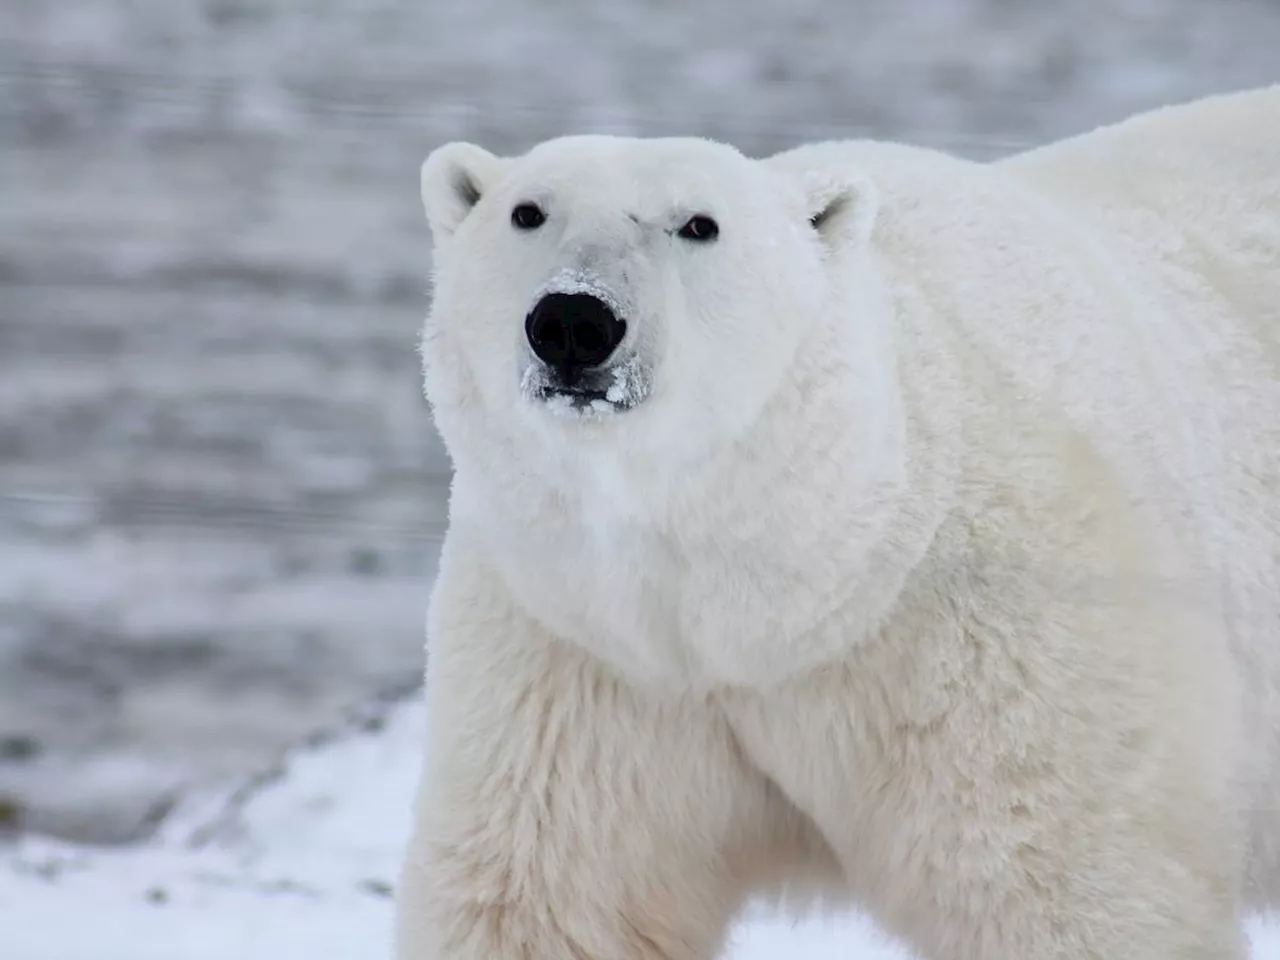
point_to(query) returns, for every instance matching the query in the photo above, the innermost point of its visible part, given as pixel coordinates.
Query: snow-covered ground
(299, 864)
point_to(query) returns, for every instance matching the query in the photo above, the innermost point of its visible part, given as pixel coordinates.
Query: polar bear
(861, 525)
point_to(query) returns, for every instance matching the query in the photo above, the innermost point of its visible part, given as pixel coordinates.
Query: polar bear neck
(773, 556)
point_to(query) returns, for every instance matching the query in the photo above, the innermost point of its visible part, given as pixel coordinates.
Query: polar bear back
(1195, 186)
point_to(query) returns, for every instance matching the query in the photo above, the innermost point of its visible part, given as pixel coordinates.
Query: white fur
(938, 569)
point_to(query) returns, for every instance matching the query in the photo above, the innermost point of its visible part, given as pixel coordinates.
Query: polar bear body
(918, 546)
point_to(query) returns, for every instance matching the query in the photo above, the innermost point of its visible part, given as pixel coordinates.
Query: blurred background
(221, 496)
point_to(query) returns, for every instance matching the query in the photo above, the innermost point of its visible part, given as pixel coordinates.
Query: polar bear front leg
(564, 815)
(1014, 788)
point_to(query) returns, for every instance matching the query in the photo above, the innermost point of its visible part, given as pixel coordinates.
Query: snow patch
(631, 383)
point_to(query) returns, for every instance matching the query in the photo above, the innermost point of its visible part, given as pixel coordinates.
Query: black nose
(573, 331)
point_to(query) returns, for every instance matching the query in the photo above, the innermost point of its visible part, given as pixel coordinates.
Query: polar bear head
(617, 293)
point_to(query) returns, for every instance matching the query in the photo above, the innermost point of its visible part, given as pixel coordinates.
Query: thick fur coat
(925, 555)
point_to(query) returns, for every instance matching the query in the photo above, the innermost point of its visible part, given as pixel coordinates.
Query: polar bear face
(633, 346)
(647, 294)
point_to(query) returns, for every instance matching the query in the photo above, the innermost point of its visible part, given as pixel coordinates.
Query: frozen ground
(220, 495)
(298, 865)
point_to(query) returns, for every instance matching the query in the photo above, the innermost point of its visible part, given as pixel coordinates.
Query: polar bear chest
(746, 604)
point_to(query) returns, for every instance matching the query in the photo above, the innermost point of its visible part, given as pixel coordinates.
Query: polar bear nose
(573, 331)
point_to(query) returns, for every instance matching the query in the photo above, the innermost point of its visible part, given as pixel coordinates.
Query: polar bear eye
(701, 228)
(528, 216)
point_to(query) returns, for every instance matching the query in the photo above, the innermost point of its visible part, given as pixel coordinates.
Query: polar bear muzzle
(573, 333)
(574, 337)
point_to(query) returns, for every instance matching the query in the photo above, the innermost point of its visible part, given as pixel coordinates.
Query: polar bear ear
(841, 208)
(454, 178)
